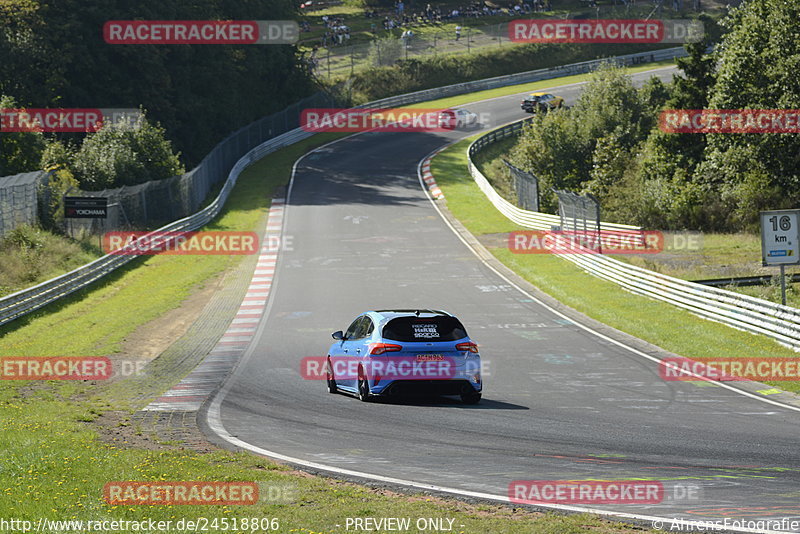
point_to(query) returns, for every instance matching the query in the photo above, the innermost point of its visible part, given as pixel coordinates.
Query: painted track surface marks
(560, 403)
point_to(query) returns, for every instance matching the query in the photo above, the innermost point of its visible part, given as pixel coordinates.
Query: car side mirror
(338, 335)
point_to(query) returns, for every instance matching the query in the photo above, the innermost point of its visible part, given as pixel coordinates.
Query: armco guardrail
(744, 312)
(755, 315)
(28, 300)
(23, 302)
(527, 77)
(529, 219)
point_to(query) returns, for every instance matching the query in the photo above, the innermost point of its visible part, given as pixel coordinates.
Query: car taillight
(469, 347)
(380, 348)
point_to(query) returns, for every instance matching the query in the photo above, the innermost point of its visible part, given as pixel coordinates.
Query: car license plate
(430, 357)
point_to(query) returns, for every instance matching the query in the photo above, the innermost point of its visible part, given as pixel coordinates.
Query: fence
(527, 218)
(338, 58)
(18, 200)
(526, 185)
(157, 202)
(751, 314)
(341, 60)
(28, 300)
(580, 215)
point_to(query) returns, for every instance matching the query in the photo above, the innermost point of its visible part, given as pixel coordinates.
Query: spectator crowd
(336, 31)
(400, 16)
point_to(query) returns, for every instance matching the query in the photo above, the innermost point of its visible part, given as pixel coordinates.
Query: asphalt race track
(560, 402)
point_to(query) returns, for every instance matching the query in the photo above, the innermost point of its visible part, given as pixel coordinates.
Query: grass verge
(706, 256)
(720, 256)
(527, 87)
(54, 464)
(30, 256)
(42, 255)
(54, 467)
(656, 322)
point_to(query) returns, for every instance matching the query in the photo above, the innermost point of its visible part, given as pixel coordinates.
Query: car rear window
(411, 329)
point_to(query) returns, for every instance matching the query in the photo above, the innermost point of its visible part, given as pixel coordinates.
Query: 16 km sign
(780, 237)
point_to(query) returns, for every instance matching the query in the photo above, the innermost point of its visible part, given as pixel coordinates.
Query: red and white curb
(190, 393)
(428, 178)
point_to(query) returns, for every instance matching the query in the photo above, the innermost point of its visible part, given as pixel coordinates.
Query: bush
(51, 199)
(24, 237)
(57, 155)
(122, 154)
(743, 184)
(30, 255)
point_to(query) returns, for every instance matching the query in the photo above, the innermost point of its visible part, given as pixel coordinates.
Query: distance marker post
(780, 241)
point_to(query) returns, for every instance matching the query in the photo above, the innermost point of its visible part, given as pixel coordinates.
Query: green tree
(759, 59)
(57, 155)
(610, 104)
(671, 197)
(609, 162)
(19, 151)
(567, 148)
(654, 95)
(54, 55)
(554, 149)
(124, 154)
(690, 91)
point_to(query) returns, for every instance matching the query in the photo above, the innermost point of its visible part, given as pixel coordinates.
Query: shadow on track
(441, 402)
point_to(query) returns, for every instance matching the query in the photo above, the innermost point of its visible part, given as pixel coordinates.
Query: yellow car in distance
(541, 102)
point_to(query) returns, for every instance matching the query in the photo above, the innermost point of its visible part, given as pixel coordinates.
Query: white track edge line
(591, 330)
(214, 415)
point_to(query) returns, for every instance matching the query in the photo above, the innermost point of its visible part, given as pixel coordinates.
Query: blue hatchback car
(398, 352)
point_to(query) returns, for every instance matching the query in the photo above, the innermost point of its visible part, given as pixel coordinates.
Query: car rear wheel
(332, 388)
(470, 396)
(364, 394)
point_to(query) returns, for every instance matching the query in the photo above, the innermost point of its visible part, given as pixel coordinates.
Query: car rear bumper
(426, 387)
